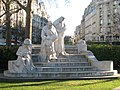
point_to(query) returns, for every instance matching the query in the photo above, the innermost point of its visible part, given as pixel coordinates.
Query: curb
(4, 78)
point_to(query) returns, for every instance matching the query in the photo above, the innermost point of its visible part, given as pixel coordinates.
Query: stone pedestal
(82, 46)
(72, 66)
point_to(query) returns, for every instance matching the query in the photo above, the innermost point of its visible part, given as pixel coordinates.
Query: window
(101, 6)
(101, 21)
(101, 13)
(115, 2)
(109, 21)
(115, 10)
(109, 30)
(101, 29)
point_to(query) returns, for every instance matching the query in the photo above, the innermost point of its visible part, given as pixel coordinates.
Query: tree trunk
(28, 31)
(8, 28)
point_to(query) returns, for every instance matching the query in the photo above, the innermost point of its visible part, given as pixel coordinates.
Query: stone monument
(47, 44)
(75, 65)
(59, 43)
(23, 64)
(82, 46)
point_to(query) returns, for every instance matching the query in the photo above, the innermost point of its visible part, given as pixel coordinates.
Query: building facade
(40, 19)
(101, 21)
(18, 20)
(76, 35)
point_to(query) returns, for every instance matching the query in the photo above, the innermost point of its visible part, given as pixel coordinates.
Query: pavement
(118, 88)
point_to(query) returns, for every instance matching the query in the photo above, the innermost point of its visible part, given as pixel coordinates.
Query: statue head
(61, 19)
(81, 41)
(27, 42)
(49, 24)
(58, 21)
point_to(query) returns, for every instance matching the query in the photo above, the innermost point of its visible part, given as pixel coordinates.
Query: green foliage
(91, 42)
(68, 43)
(106, 52)
(7, 53)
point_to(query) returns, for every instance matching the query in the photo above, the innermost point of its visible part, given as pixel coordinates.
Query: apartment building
(76, 35)
(18, 20)
(40, 19)
(99, 21)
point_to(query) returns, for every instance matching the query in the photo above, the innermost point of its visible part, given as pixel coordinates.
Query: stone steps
(72, 66)
(65, 58)
(60, 75)
(65, 69)
(61, 64)
(69, 49)
(68, 60)
(36, 59)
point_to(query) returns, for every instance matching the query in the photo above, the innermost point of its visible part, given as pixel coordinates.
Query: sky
(72, 12)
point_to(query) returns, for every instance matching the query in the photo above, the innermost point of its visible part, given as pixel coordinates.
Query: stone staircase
(72, 66)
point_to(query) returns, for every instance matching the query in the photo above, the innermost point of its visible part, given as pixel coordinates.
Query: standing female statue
(60, 28)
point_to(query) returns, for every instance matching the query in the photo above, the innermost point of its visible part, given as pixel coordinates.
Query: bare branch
(4, 8)
(15, 11)
(67, 1)
(11, 12)
(3, 14)
(3, 1)
(22, 6)
(11, 1)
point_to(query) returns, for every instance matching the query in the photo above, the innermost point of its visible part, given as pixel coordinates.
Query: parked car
(4, 44)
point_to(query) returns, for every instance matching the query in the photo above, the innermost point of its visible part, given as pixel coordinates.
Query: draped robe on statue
(47, 44)
(60, 28)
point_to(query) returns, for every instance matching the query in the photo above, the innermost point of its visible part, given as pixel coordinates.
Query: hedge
(106, 53)
(6, 54)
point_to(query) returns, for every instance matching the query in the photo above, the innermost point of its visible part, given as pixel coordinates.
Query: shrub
(106, 52)
(6, 54)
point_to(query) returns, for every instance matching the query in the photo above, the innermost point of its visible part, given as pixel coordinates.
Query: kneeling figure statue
(23, 64)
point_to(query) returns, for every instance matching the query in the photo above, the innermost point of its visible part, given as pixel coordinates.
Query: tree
(27, 8)
(8, 12)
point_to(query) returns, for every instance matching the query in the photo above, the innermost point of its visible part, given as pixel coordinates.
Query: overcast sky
(72, 12)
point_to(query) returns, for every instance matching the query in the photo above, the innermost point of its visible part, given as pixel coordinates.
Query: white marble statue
(82, 46)
(23, 64)
(59, 43)
(47, 44)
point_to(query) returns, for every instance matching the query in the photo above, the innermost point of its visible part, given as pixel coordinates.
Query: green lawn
(98, 84)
